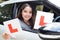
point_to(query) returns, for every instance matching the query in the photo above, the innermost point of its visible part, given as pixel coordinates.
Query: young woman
(26, 15)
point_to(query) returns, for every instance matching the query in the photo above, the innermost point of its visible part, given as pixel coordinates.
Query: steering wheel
(57, 19)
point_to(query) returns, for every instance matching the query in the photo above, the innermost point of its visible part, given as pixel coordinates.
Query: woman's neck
(27, 22)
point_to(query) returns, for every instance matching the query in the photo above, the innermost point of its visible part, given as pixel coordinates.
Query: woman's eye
(30, 12)
(25, 11)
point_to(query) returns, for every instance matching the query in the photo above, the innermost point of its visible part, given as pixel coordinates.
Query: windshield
(55, 2)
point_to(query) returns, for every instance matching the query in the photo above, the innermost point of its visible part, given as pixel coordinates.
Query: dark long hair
(32, 20)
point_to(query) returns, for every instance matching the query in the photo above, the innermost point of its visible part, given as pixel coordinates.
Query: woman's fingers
(6, 36)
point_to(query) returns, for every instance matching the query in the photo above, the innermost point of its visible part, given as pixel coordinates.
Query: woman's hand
(6, 36)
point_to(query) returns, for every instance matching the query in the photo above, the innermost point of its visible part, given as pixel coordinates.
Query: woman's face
(27, 13)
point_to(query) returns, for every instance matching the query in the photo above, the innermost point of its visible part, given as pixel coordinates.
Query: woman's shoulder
(20, 20)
